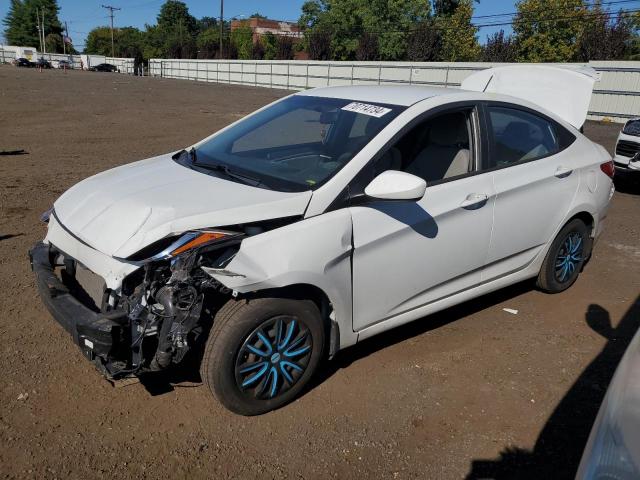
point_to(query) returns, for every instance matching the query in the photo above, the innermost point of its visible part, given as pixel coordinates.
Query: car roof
(404, 95)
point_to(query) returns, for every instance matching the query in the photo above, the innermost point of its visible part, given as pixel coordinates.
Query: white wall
(616, 96)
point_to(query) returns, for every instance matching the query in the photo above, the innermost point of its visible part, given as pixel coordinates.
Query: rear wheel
(565, 258)
(262, 352)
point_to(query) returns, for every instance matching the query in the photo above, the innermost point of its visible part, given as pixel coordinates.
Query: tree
(127, 41)
(285, 48)
(500, 48)
(459, 41)
(16, 31)
(604, 38)
(208, 43)
(99, 41)
(444, 7)
(425, 42)
(21, 23)
(242, 40)
(319, 44)
(174, 15)
(270, 45)
(348, 20)
(548, 30)
(205, 23)
(367, 47)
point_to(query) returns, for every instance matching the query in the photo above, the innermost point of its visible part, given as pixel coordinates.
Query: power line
(586, 16)
(586, 5)
(111, 9)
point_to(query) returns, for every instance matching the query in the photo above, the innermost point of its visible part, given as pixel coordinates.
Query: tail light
(608, 168)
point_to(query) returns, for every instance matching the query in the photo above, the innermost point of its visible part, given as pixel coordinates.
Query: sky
(84, 15)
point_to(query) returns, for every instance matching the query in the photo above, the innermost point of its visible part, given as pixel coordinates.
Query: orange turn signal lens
(202, 239)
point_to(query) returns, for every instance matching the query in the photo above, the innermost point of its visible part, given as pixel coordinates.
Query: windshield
(296, 144)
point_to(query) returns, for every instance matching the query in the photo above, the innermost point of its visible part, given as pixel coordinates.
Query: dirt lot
(473, 391)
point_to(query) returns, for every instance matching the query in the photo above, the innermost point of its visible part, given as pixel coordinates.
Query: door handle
(474, 201)
(563, 172)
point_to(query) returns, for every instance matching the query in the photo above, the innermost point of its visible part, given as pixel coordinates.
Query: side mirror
(396, 185)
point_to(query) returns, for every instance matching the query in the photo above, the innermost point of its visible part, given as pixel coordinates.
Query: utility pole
(38, 26)
(64, 40)
(111, 9)
(221, 25)
(44, 44)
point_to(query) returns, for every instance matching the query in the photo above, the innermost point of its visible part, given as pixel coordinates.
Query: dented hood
(122, 210)
(563, 90)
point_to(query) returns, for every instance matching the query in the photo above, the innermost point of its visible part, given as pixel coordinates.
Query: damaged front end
(158, 313)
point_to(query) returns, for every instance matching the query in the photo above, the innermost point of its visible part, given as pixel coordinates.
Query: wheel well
(587, 218)
(305, 291)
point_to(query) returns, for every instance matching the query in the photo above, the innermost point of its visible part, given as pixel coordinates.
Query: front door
(410, 253)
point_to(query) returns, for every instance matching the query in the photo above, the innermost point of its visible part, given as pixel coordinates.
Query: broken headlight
(171, 247)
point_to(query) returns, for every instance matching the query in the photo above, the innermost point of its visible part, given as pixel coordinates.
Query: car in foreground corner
(613, 448)
(627, 157)
(322, 219)
(104, 67)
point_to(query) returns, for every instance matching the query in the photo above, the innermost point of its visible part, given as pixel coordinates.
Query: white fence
(616, 96)
(124, 65)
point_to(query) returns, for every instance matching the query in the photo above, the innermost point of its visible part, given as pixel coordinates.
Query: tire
(250, 340)
(565, 258)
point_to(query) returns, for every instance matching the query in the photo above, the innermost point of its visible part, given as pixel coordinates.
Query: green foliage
(99, 41)
(270, 45)
(548, 30)
(459, 41)
(22, 20)
(347, 20)
(445, 7)
(425, 42)
(285, 48)
(500, 48)
(128, 42)
(174, 16)
(208, 43)
(604, 38)
(242, 40)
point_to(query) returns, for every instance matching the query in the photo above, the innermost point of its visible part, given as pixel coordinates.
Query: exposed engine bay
(161, 310)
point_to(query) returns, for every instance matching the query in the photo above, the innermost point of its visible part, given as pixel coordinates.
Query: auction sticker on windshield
(366, 109)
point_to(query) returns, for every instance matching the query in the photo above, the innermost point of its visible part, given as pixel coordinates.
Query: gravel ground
(470, 392)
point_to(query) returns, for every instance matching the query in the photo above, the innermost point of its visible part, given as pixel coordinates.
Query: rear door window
(518, 136)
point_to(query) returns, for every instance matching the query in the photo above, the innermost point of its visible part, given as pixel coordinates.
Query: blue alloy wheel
(273, 357)
(569, 257)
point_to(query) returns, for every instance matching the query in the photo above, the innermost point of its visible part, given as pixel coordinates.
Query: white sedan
(322, 219)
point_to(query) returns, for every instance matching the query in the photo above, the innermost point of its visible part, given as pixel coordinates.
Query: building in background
(260, 26)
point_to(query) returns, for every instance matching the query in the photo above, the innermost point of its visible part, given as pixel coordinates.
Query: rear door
(535, 178)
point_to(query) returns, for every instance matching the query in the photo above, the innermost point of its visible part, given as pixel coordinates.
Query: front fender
(315, 251)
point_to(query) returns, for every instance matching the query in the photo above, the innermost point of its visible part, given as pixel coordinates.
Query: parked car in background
(330, 216)
(23, 62)
(627, 157)
(104, 67)
(613, 449)
(42, 63)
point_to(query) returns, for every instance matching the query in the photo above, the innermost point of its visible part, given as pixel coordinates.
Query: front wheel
(261, 352)
(565, 258)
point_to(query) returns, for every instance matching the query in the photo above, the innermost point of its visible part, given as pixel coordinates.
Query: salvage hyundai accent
(322, 219)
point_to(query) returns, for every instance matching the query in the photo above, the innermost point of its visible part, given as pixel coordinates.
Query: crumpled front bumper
(97, 334)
